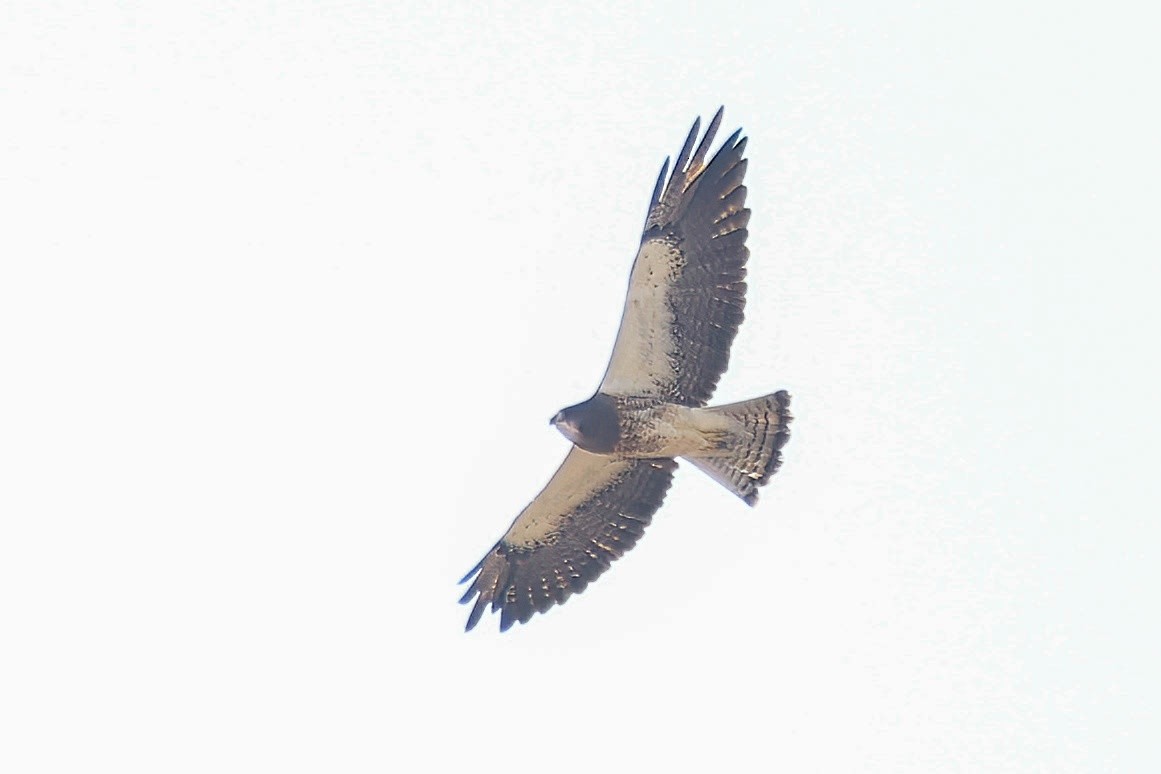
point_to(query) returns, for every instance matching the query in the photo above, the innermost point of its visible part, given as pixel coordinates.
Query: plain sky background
(288, 292)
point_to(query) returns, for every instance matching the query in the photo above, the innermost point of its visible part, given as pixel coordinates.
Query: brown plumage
(685, 301)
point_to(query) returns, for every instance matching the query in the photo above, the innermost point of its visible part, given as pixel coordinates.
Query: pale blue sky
(288, 293)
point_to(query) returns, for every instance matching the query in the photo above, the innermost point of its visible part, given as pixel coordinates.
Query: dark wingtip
(476, 614)
(658, 187)
(698, 159)
(687, 148)
(473, 591)
(471, 573)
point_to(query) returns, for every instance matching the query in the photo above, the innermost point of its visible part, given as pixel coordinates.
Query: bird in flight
(686, 294)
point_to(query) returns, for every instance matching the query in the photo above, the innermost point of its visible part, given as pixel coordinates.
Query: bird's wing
(592, 511)
(687, 289)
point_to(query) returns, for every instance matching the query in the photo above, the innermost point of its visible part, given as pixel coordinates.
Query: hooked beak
(567, 428)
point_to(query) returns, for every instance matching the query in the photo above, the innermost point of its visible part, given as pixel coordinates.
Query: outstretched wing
(687, 288)
(592, 511)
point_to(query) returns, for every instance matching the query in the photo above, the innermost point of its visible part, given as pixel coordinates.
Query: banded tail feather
(755, 450)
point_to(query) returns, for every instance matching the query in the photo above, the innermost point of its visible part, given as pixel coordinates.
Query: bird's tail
(763, 427)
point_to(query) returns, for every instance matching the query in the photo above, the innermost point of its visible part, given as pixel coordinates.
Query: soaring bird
(686, 295)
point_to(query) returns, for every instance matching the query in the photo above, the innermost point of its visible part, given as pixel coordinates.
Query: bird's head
(592, 425)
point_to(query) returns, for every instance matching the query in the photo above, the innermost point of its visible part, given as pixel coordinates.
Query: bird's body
(684, 305)
(641, 427)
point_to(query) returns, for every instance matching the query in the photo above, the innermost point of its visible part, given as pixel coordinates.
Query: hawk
(686, 294)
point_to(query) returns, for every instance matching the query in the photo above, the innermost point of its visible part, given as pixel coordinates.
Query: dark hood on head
(595, 422)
